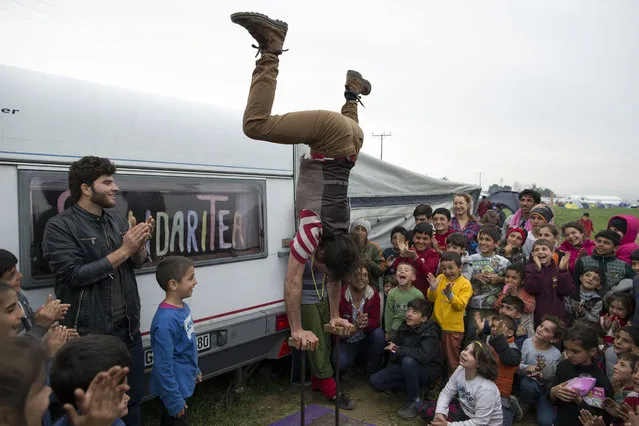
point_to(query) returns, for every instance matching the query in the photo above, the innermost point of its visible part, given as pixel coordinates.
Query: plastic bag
(583, 385)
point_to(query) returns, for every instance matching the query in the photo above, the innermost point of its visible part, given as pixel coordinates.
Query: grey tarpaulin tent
(386, 195)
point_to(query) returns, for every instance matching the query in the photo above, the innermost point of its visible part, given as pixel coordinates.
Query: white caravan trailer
(223, 200)
(217, 197)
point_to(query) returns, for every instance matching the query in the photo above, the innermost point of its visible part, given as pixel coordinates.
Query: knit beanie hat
(633, 331)
(523, 232)
(619, 223)
(542, 211)
(360, 222)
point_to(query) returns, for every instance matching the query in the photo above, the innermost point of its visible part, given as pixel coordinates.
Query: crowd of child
(494, 327)
(512, 318)
(51, 376)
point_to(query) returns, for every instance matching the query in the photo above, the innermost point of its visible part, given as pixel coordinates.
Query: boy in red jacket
(422, 256)
(360, 305)
(587, 224)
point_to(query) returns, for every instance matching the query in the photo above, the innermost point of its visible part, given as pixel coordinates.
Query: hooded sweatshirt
(627, 243)
(585, 249)
(549, 286)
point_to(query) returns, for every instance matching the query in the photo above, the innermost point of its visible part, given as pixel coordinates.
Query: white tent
(386, 195)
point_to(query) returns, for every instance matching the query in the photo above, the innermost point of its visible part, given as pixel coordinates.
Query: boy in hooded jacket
(416, 357)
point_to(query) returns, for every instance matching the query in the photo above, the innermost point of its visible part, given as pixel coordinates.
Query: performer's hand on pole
(341, 322)
(304, 339)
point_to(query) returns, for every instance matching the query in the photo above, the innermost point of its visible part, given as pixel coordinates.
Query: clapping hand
(53, 310)
(362, 321)
(56, 337)
(587, 419)
(432, 281)
(537, 262)
(99, 405)
(479, 321)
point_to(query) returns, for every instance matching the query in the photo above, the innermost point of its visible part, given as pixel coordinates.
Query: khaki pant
(326, 132)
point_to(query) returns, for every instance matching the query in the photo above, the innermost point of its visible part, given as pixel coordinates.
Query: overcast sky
(524, 91)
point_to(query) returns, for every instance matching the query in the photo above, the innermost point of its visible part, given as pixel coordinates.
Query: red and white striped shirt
(307, 237)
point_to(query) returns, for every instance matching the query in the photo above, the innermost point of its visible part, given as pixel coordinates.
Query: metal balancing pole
(302, 350)
(338, 332)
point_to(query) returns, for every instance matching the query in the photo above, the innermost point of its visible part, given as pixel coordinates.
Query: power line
(381, 137)
(26, 17)
(68, 12)
(29, 7)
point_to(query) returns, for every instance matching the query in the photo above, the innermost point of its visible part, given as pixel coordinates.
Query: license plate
(203, 345)
(204, 342)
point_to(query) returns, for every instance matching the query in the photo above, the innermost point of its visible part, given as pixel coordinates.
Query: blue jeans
(531, 393)
(507, 412)
(135, 378)
(408, 374)
(370, 351)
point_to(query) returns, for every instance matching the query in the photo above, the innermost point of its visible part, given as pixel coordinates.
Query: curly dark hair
(486, 361)
(340, 254)
(87, 170)
(536, 196)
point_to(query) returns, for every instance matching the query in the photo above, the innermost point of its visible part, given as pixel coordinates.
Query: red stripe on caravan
(225, 314)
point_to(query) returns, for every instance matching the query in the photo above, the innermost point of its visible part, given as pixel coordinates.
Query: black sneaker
(344, 401)
(410, 410)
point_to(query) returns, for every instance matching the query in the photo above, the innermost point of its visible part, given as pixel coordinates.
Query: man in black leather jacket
(92, 251)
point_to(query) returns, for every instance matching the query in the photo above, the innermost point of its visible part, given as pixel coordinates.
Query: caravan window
(209, 220)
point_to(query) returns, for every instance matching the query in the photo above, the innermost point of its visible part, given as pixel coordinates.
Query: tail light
(281, 322)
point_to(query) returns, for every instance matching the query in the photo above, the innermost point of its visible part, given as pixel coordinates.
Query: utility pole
(480, 173)
(381, 139)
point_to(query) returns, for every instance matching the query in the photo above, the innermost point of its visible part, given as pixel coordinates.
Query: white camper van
(217, 197)
(223, 200)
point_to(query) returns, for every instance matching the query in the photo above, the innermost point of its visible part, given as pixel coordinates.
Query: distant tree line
(545, 192)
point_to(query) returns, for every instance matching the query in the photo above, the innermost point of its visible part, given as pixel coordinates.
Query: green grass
(599, 217)
(262, 401)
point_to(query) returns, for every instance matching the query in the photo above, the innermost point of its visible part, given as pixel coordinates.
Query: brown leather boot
(268, 33)
(356, 84)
